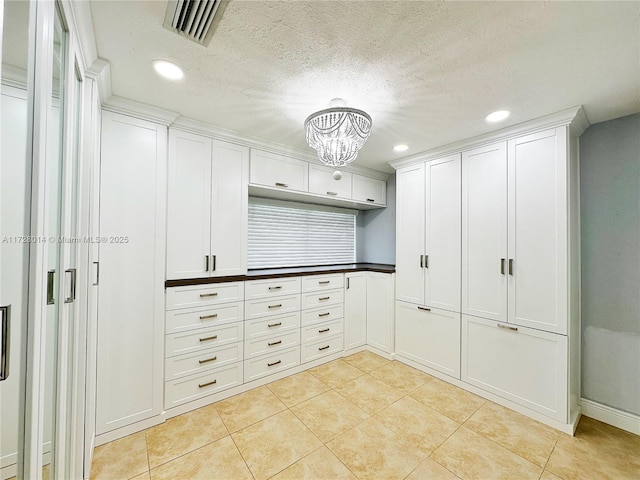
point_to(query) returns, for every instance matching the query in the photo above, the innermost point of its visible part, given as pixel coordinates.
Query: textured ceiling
(426, 72)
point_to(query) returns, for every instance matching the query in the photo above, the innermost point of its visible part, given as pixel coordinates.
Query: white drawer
(318, 283)
(272, 363)
(318, 299)
(190, 388)
(270, 288)
(264, 345)
(322, 314)
(198, 295)
(198, 340)
(321, 348)
(193, 363)
(321, 330)
(192, 318)
(268, 326)
(272, 306)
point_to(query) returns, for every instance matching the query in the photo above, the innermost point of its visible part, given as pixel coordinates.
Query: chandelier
(337, 133)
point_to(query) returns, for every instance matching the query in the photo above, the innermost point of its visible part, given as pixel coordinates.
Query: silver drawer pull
(207, 360)
(426, 309)
(332, 193)
(204, 317)
(370, 200)
(271, 325)
(274, 363)
(205, 295)
(324, 314)
(325, 282)
(324, 330)
(271, 344)
(323, 348)
(202, 385)
(275, 288)
(508, 327)
(275, 306)
(284, 185)
(324, 298)
(206, 339)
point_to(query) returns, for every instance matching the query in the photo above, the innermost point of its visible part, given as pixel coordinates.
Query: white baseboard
(612, 416)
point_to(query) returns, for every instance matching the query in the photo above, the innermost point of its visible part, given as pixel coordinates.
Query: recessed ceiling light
(401, 148)
(168, 70)
(497, 116)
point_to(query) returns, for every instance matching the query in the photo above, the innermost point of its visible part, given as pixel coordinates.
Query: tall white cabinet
(207, 207)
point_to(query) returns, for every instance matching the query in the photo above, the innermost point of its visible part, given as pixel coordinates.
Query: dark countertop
(265, 273)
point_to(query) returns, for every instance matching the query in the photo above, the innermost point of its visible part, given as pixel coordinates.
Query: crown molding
(574, 117)
(140, 110)
(100, 71)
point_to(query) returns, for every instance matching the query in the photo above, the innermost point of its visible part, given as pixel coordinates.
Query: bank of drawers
(204, 341)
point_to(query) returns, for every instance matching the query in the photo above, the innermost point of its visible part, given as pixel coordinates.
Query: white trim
(139, 110)
(611, 416)
(100, 71)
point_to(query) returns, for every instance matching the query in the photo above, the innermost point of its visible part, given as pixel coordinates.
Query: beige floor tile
(368, 393)
(448, 399)
(547, 475)
(598, 451)
(329, 415)
(248, 408)
(218, 460)
(275, 443)
(183, 434)
(423, 427)
(401, 377)
(431, 470)
(471, 456)
(121, 459)
(372, 451)
(336, 373)
(522, 435)
(319, 465)
(366, 361)
(297, 388)
(142, 476)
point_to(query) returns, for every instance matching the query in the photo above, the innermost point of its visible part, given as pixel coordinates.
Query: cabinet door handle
(51, 276)
(324, 298)
(502, 260)
(97, 281)
(275, 306)
(348, 282)
(323, 348)
(508, 327)
(202, 385)
(72, 285)
(426, 261)
(275, 288)
(206, 339)
(271, 325)
(274, 363)
(511, 266)
(370, 200)
(332, 193)
(205, 317)
(5, 311)
(324, 330)
(206, 263)
(205, 295)
(324, 314)
(207, 360)
(421, 261)
(271, 344)
(325, 282)
(213, 263)
(426, 309)
(283, 185)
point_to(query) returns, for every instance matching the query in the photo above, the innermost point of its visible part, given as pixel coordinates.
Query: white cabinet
(278, 171)
(130, 316)
(355, 310)
(367, 189)
(429, 336)
(521, 364)
(380, 311)
(207, 207)
(321, 181)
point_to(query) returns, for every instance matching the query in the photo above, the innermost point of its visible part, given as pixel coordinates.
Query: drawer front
(271, 288)
(278, 171)
(269, 364)
(321, 181)
(198, 340)
(199, 295)
(273, 306)
(272, 325)
(319, 299)
(370, 190)
(194, 363)
(272, 343)
(318, 283)
(190, 388)
(322, 348)
(322, 330)
(192, 318)
(322, 314)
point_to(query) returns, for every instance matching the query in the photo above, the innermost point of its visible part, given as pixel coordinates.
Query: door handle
(97, 282)
(206, 263)
(502, 266)
(51, 276)
(511, 266)
(421, 261)
(213, 261)
(5, 350)
(426, 261)
(72, 285)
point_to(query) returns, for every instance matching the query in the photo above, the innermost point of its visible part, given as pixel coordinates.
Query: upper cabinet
(370, 190)
(322, 182)
(207, 207)
(278, 171)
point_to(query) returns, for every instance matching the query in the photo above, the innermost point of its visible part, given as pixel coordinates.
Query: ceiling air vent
(194, 19)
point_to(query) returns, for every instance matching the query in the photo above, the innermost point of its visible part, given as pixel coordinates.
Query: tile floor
(364, 417)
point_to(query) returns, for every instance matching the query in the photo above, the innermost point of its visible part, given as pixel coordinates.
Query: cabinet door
(430, 337)
(484, 232)
(131, 296)
(279, 171)
(321, 181)
(229, 209)
(189, 206)
(538, 231)
(442, 232)
(380, 311)
(355, 310)
(370, 190)
(410, 210)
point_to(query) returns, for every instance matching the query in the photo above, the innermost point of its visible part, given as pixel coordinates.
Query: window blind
(286, 234)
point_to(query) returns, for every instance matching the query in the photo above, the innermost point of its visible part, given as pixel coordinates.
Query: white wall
(376, 231)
